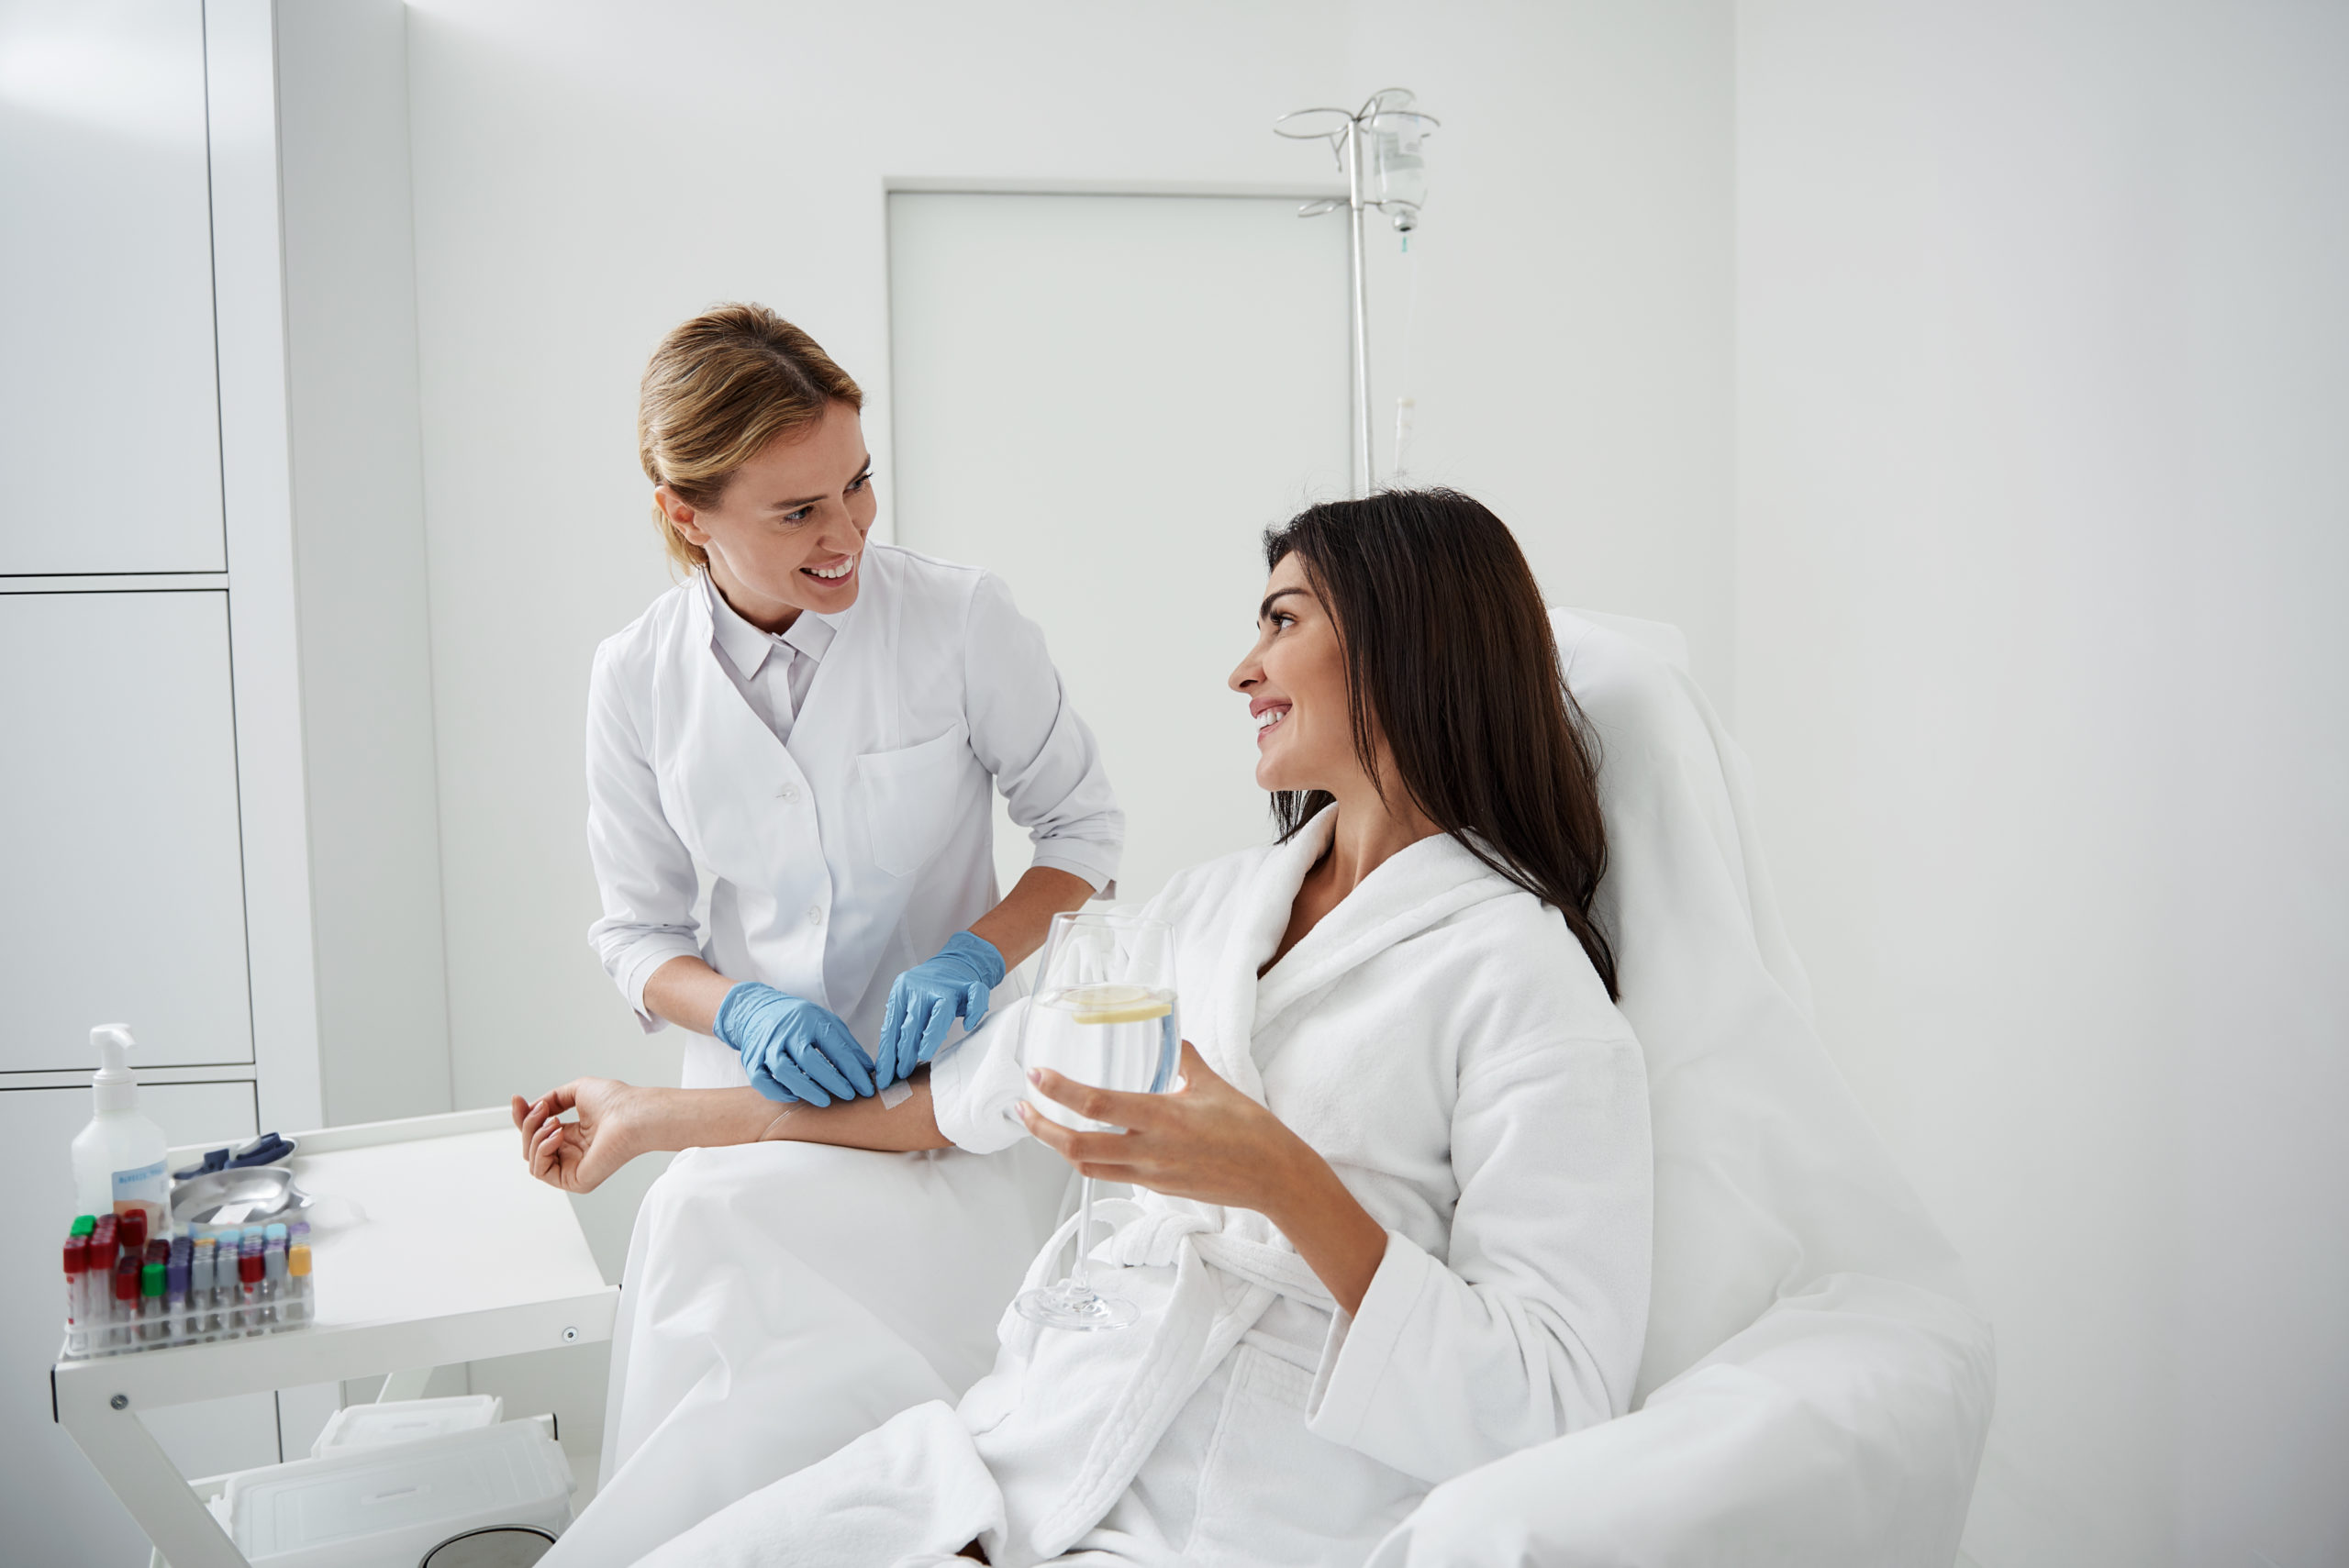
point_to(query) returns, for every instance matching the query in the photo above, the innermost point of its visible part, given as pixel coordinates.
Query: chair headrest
(1768, 1174)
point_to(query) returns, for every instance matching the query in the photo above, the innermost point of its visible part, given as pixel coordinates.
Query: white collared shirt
(772, 670)
(837, 801)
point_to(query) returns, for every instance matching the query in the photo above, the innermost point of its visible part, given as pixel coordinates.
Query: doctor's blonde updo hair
(718, 389)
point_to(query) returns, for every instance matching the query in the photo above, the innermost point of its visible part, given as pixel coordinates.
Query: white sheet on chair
(835, 1287)
(1816, 1389)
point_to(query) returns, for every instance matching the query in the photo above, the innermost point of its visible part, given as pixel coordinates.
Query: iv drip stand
(1361, 309)
(1398, 128)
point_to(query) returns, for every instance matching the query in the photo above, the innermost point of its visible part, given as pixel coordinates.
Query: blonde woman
(812, 722)
(817, 720)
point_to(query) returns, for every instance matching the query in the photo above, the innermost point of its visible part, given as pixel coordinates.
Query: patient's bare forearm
(692, 1118)
(618, 1121)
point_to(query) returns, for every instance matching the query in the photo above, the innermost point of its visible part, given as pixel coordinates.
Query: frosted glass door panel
(57, 1509)
(1105, 400)
(109, 410)
(118, 833)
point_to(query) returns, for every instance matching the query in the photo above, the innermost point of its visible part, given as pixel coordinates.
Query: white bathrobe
(1442, 1040)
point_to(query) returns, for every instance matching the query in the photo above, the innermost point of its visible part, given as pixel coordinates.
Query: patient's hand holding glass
(1103, 1013)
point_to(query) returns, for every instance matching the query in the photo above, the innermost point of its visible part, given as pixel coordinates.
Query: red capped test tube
(77, 1284)
(249, 1266)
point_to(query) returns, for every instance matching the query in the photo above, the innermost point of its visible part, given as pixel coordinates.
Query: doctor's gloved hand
(928, 997)
(793, 1049)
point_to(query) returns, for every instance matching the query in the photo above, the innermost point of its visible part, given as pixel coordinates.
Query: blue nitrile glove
(928, 997)
(793, 1049)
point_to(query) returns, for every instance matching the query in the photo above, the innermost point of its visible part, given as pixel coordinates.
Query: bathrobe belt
(1147, 1238)
(1224, 1280)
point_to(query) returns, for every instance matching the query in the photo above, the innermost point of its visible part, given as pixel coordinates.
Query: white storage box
(386, 1506)
(405, 1420)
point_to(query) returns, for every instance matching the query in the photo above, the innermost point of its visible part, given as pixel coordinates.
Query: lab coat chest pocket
(910, 797)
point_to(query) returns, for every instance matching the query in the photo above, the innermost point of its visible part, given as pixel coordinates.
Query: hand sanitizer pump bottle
(118, 1159)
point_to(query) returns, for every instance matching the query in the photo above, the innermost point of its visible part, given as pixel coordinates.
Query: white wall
(1122, 538)
(2043, 524)
(358, 487)
(588, 175)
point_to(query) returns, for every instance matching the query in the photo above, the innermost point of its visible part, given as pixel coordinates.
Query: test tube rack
(240, 1292)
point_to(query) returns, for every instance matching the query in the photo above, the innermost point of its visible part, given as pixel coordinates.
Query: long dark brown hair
(1450, 657)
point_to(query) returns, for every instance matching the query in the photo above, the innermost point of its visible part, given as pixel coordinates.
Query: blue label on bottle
(142, 1186)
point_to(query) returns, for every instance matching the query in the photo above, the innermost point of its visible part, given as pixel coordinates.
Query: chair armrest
(1842, 1429)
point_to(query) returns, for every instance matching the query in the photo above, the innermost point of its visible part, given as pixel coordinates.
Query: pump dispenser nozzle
(115, 1085)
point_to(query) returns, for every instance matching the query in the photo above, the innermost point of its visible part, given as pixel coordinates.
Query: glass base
(1069, 1305)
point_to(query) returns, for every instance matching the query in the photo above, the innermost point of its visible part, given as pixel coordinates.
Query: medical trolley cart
(448, 1251)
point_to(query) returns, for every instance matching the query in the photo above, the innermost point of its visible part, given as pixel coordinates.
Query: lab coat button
(814, 914)
(789, 793)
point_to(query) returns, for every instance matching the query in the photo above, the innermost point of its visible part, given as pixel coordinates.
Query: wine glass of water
(1102, 1013)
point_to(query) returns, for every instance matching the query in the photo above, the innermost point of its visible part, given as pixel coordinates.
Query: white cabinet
(120, 850)
(57, 1511)
(217, 810)
(109, 413)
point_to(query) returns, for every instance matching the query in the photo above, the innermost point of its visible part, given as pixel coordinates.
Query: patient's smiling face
(1295, 681)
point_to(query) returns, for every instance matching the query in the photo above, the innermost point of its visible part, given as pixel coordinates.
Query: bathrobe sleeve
(976, 1081)
(1533, 1324)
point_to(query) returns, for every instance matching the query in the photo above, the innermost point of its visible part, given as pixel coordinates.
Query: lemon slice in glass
(1117, 1005)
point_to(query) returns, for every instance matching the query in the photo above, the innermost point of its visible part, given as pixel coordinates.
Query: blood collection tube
(179, 1324)
(124, 1313)
(85, 1226)
(131, 1227)
(225, 1275)
(98, 1284)
(298, 1270)
(248, 1282)
(272, 1285)
(220, 1268)
(151, 1326)
(77, 1289)
(199, 1288)
(155, 1312)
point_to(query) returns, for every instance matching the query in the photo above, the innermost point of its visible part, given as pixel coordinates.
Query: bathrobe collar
(1429, 881)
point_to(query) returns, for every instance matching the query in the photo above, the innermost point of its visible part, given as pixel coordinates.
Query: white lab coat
(1442, 1040)
(852, 852)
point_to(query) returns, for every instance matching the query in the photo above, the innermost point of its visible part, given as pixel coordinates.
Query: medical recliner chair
(1816, 1389)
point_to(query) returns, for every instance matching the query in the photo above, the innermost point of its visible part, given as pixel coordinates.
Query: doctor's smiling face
(787, 532)
(1295, 681)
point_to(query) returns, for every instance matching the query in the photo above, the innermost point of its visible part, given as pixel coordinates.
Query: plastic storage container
(406, 1421)
(386, 1506)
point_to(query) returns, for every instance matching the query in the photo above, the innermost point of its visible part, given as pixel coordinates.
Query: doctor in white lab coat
(816, 722)
(808, 726)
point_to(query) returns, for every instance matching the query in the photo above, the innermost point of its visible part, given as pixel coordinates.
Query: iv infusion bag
(1397, 169)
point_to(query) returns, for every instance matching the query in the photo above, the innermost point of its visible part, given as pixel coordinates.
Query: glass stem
(1083, 1240)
